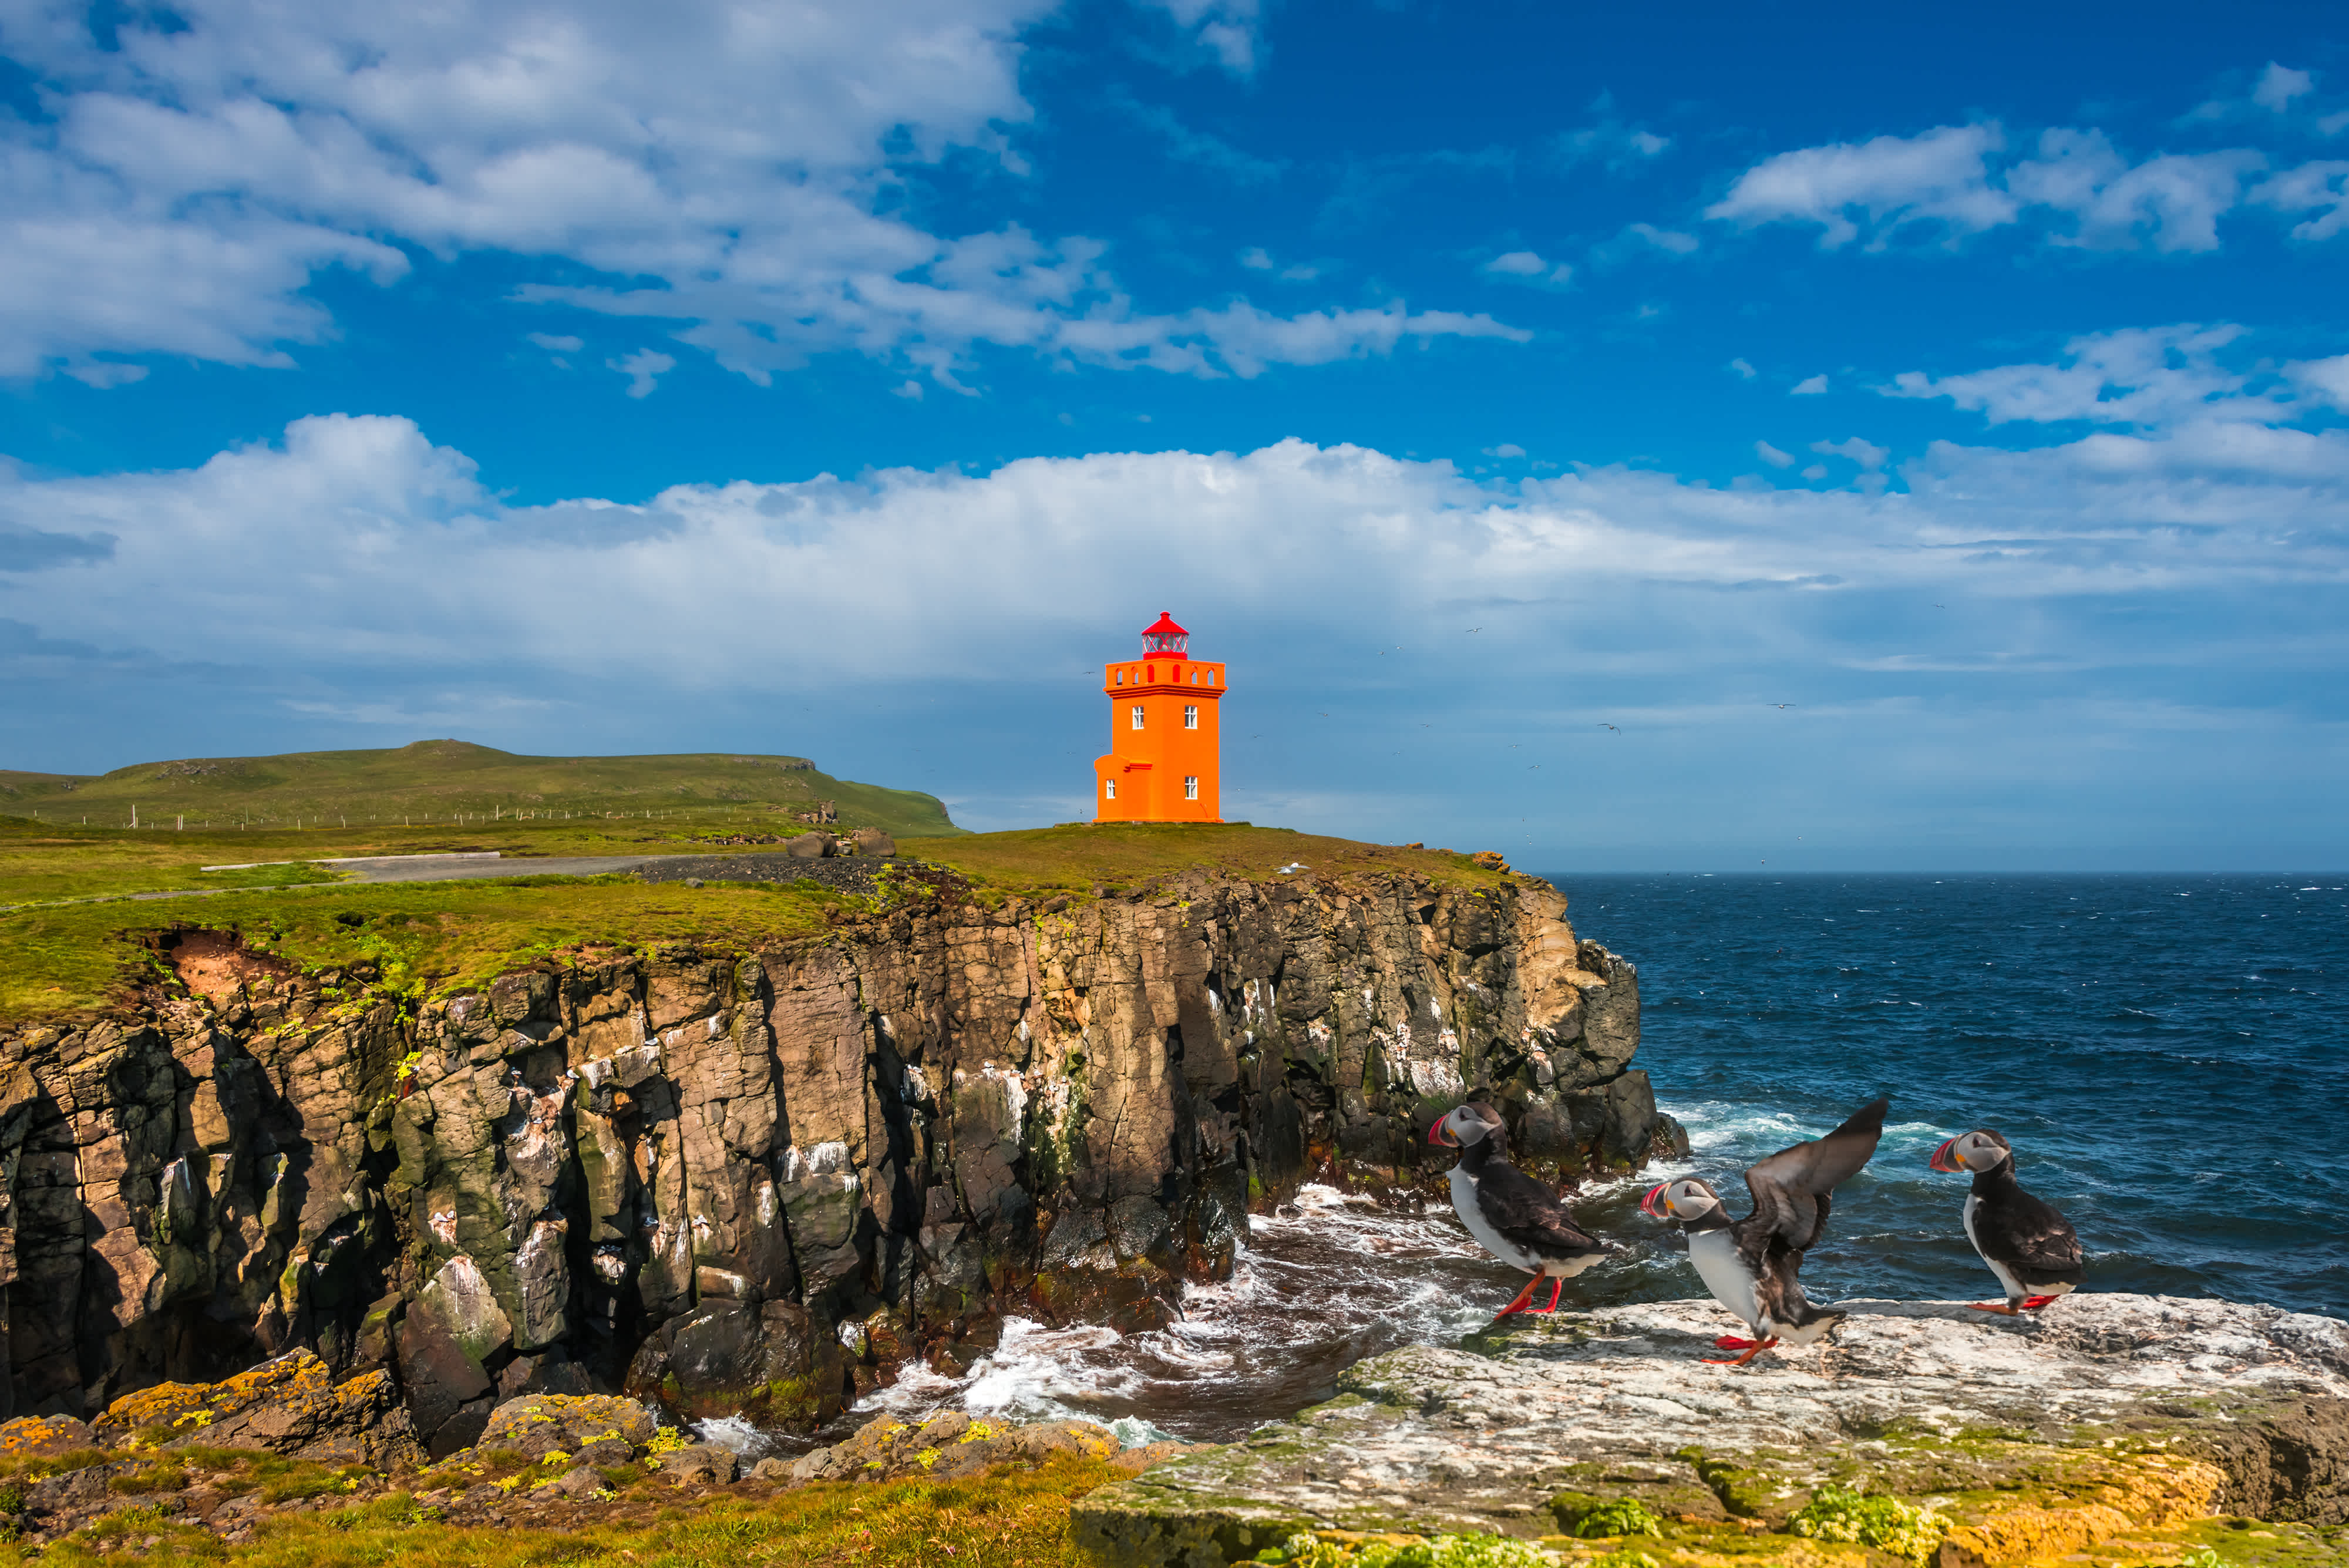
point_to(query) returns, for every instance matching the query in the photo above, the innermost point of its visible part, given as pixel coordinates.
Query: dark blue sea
(2169, 1056)
(2167, 1053)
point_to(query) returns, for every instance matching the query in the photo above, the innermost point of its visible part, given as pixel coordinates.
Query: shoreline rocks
(2113, 1417)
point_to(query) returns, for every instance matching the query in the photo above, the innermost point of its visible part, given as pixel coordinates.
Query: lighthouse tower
(1164, 748)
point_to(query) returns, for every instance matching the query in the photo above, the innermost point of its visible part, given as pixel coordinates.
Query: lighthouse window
(1190, 718)
(1121, 678)
(1137, 715)
(1110, 787)
(1191, 786)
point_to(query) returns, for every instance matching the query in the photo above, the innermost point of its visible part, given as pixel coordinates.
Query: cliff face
(758, 1182)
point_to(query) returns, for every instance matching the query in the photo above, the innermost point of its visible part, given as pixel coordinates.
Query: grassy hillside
(67, 958)
(451, 783)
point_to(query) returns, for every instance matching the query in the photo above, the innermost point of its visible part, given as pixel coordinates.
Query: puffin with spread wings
(1752, 1266)
(1512, 1216)
(2031, 1249)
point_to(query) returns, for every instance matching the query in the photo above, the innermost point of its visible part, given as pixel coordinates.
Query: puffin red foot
(1731, 1341)
(1755, 1350)
(1557, 1283)
(1524, 1296)
(1999, 1307)
(2032, 1303)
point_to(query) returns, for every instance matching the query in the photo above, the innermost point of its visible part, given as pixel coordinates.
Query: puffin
(1512, 1216)
(2031, 1249)
(1752, 1266)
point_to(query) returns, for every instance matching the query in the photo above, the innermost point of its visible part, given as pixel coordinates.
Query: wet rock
(2113, 1414)
(289, 1405)
(538, 1425)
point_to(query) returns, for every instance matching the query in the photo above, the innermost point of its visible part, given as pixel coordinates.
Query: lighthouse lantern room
(1165, 744)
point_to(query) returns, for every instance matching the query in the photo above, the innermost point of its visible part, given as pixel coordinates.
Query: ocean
(2167, 1054)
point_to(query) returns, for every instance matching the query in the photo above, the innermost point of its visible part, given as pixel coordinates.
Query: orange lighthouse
(1163, 744)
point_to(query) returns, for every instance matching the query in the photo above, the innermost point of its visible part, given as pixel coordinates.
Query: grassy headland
(68, 959)
(450, 784)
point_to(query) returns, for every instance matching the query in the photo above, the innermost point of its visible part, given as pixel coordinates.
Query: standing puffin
(1752, 1265)
(1512, 1216)
(2031, 1249)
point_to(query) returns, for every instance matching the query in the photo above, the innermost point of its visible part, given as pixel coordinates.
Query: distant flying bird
(1782, 705)
(1474, 629)
(1610, 727)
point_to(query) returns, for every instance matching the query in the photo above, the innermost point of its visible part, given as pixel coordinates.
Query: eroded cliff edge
(757, 1180)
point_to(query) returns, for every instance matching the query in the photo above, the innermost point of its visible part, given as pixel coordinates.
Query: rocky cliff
(757, 1180)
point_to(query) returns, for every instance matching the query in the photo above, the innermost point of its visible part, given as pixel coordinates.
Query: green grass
(449, 783)
(1073, 860)
(70, 960)
(1010, 1518)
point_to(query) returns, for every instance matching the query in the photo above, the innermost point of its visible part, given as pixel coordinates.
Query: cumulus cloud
(1941, 176)
(1742, 370)
(557, 343)
(1810, 386)
(732, 166)
(357, 543)
(1528, 266)
(644, 369)
(1954, 182)
(2321, 187)
(1229, 30)
(1772, 456)
(2278, 85)
(1865, 453)
(2147, 376)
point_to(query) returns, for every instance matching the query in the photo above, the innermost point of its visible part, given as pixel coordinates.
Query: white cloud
(644, 369)
(1618, 146)
(2322, 184)
(1745, 372)
(1507, 449)
(2326, 380)
(2171, 203)
(1951, 179)
(1772, 455)
(2147, 376)
(1940, 176)
(1528, 266)
(1810, 388)
(1517, 264)
(1668, 240)
(2278, 85)
(554, 343)
(355, 543)
(1227, 29)
(1257, 257)
(1866, 454)
(737, 161)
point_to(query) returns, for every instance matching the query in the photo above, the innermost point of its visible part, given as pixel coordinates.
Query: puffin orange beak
(1653, 1202)
(1942, 1159)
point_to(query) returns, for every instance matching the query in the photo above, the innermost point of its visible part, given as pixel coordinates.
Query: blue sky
(854, 380)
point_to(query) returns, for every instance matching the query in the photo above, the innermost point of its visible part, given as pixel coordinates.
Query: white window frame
(1191, 786)
(1191, 716)
(1137, 715)
(1111, 785)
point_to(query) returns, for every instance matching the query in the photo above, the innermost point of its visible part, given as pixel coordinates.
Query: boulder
(872, 841)
(538, 1425)
(289, 1405)
(1999, 1440)
(44, 1437)
(945, 1444)
(699, 1464)
(810, 847)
